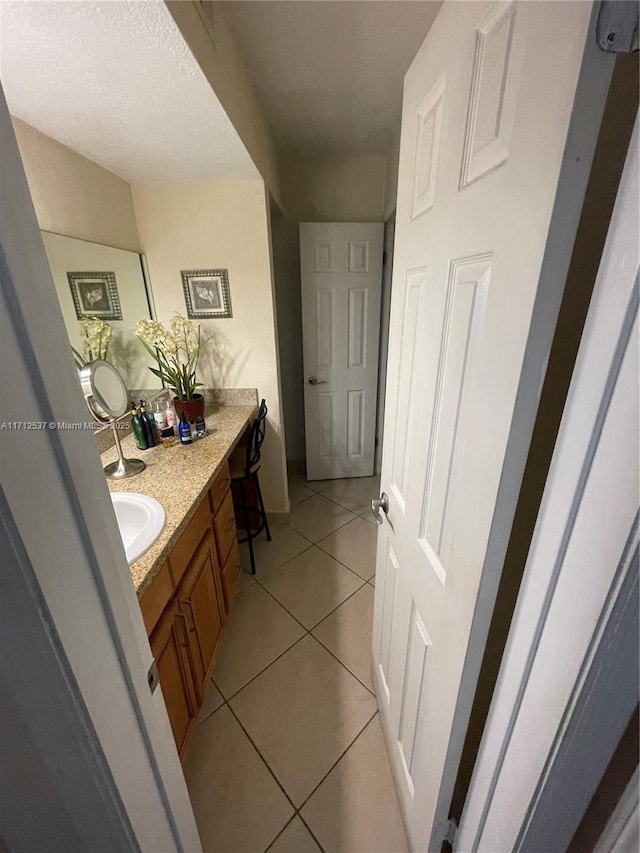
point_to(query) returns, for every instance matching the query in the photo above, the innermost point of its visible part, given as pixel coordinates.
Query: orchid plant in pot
(176, 351)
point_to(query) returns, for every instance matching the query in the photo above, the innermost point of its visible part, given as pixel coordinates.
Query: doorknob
(377, 504)
(313, 380)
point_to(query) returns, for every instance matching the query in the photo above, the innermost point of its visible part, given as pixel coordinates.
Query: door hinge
(153, 679)
(450, 830)
(617, 27)
(384, 257)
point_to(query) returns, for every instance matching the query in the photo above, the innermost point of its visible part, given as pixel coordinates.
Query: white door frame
(568, 681)
(62, 535)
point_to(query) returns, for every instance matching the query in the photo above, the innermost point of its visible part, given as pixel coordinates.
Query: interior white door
(486, 118)
(341, 275)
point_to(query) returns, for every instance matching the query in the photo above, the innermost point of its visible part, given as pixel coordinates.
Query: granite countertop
(179, 477)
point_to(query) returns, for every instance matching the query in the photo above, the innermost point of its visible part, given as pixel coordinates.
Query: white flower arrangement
(176, 350)
(95, 344)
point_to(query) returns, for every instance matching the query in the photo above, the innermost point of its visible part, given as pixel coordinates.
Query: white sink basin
(140, 519)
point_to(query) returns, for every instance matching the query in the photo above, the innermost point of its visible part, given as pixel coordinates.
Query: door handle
(313, 380)
(377, 504)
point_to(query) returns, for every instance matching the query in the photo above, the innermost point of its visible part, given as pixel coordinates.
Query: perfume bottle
(184, 430)
(170, 417)
(158, 416)
(148, 425)
(138, 429)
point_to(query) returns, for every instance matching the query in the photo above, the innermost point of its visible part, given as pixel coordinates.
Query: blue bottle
(184, 430)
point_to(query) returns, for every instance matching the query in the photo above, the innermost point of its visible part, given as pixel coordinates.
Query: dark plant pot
(191, 408)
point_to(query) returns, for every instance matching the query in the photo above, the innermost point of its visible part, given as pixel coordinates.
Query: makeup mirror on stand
(106, 396)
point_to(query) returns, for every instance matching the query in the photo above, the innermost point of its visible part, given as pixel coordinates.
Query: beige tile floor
(288, 754)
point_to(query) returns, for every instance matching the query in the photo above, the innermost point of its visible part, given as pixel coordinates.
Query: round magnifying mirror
(104, 390)
(106, 396)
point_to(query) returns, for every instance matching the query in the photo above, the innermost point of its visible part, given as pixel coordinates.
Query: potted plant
(176, 351)
(95, 344)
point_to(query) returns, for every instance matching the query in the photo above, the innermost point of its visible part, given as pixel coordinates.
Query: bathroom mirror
(95, 281)
(107, 398)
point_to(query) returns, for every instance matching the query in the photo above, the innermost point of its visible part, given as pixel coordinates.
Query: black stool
(244, 474)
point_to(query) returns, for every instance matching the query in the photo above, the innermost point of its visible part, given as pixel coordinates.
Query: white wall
(73, 195)
(223, 65)
(314, 189)
(212, 225)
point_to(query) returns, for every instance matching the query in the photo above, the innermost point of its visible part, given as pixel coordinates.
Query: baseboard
(297, 467)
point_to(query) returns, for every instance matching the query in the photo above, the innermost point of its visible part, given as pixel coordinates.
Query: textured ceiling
(329, 74)
(116, 82)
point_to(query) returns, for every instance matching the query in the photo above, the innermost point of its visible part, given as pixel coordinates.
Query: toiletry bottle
(184, 429)
(168, 437)
(200, 427)
(148, 425)
(158, 416)
(138, 429)
(170, 417)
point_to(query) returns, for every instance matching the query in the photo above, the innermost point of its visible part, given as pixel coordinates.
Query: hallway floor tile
(293, 760)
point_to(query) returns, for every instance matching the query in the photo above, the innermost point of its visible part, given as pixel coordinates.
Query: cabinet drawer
(187, 544)
(220, 487)
(156, 598)
(230, 575)
(225, 527)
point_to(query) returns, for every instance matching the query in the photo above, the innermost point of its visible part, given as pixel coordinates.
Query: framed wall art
(95, 294)
(206, 293)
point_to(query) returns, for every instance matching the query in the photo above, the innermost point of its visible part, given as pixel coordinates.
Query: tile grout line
(307, 631)
(338, 760)
(287, 824)
(297, 809)
(262, 758)
(309, 830)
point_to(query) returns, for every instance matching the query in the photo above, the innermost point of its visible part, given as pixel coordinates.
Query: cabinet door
(200, 602)
(169, 647)
(230, 575)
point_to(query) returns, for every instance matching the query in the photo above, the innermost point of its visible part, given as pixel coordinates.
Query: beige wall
(223, 66)
(73, 195)
(333, 188)
(314, 189)
(211, 225)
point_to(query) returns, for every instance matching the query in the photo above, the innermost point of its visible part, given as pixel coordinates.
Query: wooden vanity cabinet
(169, 647)
(200, 600)
(188, 602)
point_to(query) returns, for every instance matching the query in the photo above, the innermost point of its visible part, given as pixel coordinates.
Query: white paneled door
(341, 274)
(486, 119)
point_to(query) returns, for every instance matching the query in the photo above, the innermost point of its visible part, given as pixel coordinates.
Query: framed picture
(206, 293)
(95, 294)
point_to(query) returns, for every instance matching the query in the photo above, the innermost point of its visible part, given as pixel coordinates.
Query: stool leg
(245, 507)
(262, 510)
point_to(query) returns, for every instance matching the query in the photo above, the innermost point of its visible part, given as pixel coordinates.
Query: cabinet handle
(185, 628)
(191, 628)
